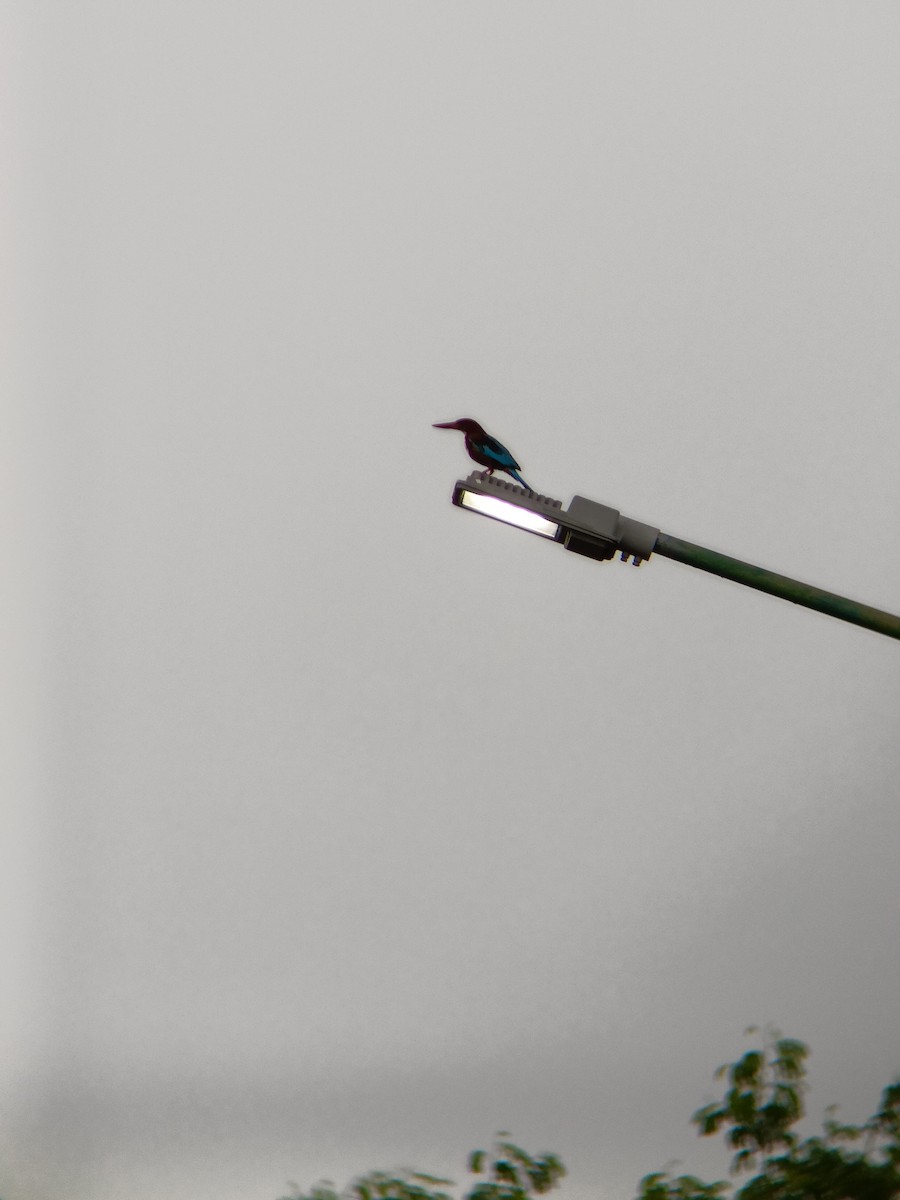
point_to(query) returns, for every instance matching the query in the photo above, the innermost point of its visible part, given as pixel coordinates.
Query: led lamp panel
(512, 514)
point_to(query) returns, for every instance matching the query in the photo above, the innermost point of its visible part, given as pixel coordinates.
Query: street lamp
(600, 532)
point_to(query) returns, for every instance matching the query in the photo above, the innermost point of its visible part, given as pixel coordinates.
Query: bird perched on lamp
(484, 449)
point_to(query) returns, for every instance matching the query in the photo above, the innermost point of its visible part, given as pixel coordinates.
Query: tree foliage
(763, 1103)
(507, 1173)
(757, 1117)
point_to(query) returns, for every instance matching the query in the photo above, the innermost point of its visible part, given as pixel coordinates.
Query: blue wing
(498, 453)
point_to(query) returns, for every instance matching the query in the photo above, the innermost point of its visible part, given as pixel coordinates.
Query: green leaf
(747, 1069)
(476, 1161)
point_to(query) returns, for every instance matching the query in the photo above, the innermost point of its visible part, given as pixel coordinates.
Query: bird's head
(465, 425)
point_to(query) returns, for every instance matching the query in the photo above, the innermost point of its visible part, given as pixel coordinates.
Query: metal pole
(777, 585)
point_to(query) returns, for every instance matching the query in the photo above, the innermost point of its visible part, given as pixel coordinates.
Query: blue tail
(518, 478)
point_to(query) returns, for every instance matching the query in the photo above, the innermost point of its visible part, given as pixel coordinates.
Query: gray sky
(344, 828)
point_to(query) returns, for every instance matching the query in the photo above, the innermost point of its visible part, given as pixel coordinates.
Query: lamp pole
(599, 532)
(777, 585)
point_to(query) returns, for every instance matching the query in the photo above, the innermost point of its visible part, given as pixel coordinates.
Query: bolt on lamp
(600, 532)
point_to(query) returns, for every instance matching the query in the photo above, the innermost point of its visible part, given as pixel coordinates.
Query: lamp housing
(586, 527)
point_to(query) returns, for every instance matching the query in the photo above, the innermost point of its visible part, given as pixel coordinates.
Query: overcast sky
(344, 828)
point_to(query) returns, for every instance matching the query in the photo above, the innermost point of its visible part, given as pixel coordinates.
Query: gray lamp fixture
(600, 532)
(586, 527)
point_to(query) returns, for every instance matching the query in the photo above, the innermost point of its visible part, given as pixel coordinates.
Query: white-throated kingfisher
(484, 449)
